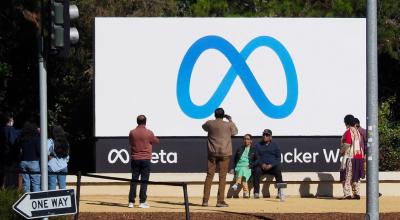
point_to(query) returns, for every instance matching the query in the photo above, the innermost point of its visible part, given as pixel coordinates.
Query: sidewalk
(108, 203)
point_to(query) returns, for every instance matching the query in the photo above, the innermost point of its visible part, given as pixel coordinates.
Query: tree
(70, 80)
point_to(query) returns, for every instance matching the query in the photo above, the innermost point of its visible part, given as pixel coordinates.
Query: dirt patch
(230, 216)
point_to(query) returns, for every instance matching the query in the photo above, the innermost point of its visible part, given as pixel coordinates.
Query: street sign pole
(45, 204)
(43, 106)
(372, 113)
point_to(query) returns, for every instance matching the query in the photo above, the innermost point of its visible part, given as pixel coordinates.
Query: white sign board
(296, 76)
(46, 203)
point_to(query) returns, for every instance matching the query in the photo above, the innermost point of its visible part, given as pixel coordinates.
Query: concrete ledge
(200, 177)
(299, 184)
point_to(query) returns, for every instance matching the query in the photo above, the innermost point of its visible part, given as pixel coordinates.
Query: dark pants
(212, 163)
(139, 168)
(258, 172)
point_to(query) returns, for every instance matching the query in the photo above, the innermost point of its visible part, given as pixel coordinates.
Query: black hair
(5, 118)
(141, 120)
(251, 137)
(28, 131)
(356, 121)
(219, 113)
(349, 120)
(61, 145)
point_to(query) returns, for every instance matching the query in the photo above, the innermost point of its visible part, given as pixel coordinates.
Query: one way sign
(46, 203)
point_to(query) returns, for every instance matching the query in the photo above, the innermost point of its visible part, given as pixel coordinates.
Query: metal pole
(78, 193)
(43, 125)
(185, 196)
(372, 113)
(43, 108)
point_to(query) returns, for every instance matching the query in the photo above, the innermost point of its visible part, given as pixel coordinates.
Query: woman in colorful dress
(352, 165)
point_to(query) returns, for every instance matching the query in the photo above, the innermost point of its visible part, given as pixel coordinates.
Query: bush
(7, 198)
(389, 137)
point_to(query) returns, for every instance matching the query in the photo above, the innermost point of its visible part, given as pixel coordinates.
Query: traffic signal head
(61, 34)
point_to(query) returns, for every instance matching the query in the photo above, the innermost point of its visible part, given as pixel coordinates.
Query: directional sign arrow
(46, 203)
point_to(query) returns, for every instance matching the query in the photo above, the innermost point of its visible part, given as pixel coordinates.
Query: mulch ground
(230, 216)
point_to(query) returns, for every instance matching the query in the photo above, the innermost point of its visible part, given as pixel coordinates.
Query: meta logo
(164, 157)
(238, 68)
(115, 154)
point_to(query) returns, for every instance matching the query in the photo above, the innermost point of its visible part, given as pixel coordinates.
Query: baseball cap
(267, 131)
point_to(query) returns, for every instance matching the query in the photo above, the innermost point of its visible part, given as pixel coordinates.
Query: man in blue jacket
(267, 161)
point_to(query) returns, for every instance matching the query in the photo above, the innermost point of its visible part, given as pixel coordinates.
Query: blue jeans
(139, 168)
(31, 182)
(60, 179)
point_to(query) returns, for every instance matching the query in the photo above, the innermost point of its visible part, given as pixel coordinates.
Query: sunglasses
(266, 135)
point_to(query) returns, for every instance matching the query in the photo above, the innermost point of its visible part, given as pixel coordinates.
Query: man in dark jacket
(267, 160)
(219, 153)
(8, 152)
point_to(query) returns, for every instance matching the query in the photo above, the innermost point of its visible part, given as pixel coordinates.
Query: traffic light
(61, 34)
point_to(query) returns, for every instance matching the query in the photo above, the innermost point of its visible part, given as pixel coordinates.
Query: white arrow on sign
(46, 203)
(24, 205)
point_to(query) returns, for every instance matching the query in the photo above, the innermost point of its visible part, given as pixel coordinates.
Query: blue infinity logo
(238, 68)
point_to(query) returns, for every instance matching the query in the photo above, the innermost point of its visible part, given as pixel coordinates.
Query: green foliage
(7, 198)
(389, 28)
(389, 137)
(70, 80)
(205, 8)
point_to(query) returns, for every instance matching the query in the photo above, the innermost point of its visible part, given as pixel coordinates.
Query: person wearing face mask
(267, 160)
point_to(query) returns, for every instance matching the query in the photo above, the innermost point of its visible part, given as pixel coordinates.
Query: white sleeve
(50, 146)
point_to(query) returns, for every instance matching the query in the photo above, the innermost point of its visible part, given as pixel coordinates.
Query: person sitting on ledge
(242, 168)
(267, 160)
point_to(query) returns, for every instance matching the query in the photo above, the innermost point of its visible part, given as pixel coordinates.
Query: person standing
(141, 141)
(58, 152)
(352, 165)
(29, 144)
(8, 152)
(267, 160)
(363, 143)
(219, 152)
(363, 133)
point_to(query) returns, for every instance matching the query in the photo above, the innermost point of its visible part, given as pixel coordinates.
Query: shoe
(380, 194)
(131, 205)
(234, 187)
(246, 195)
(204, 204)
(256, 195)
(144, 205)
(281, 195)
(222, 204)
(346, 198)
(356, 197)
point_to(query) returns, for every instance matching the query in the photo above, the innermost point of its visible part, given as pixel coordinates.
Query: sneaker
(144, 205)
(222, 204)
(281, 195)
(256, 195)
(234, 187)
(356, 197)
(204, 204)
(130, 205)
(246, 195)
